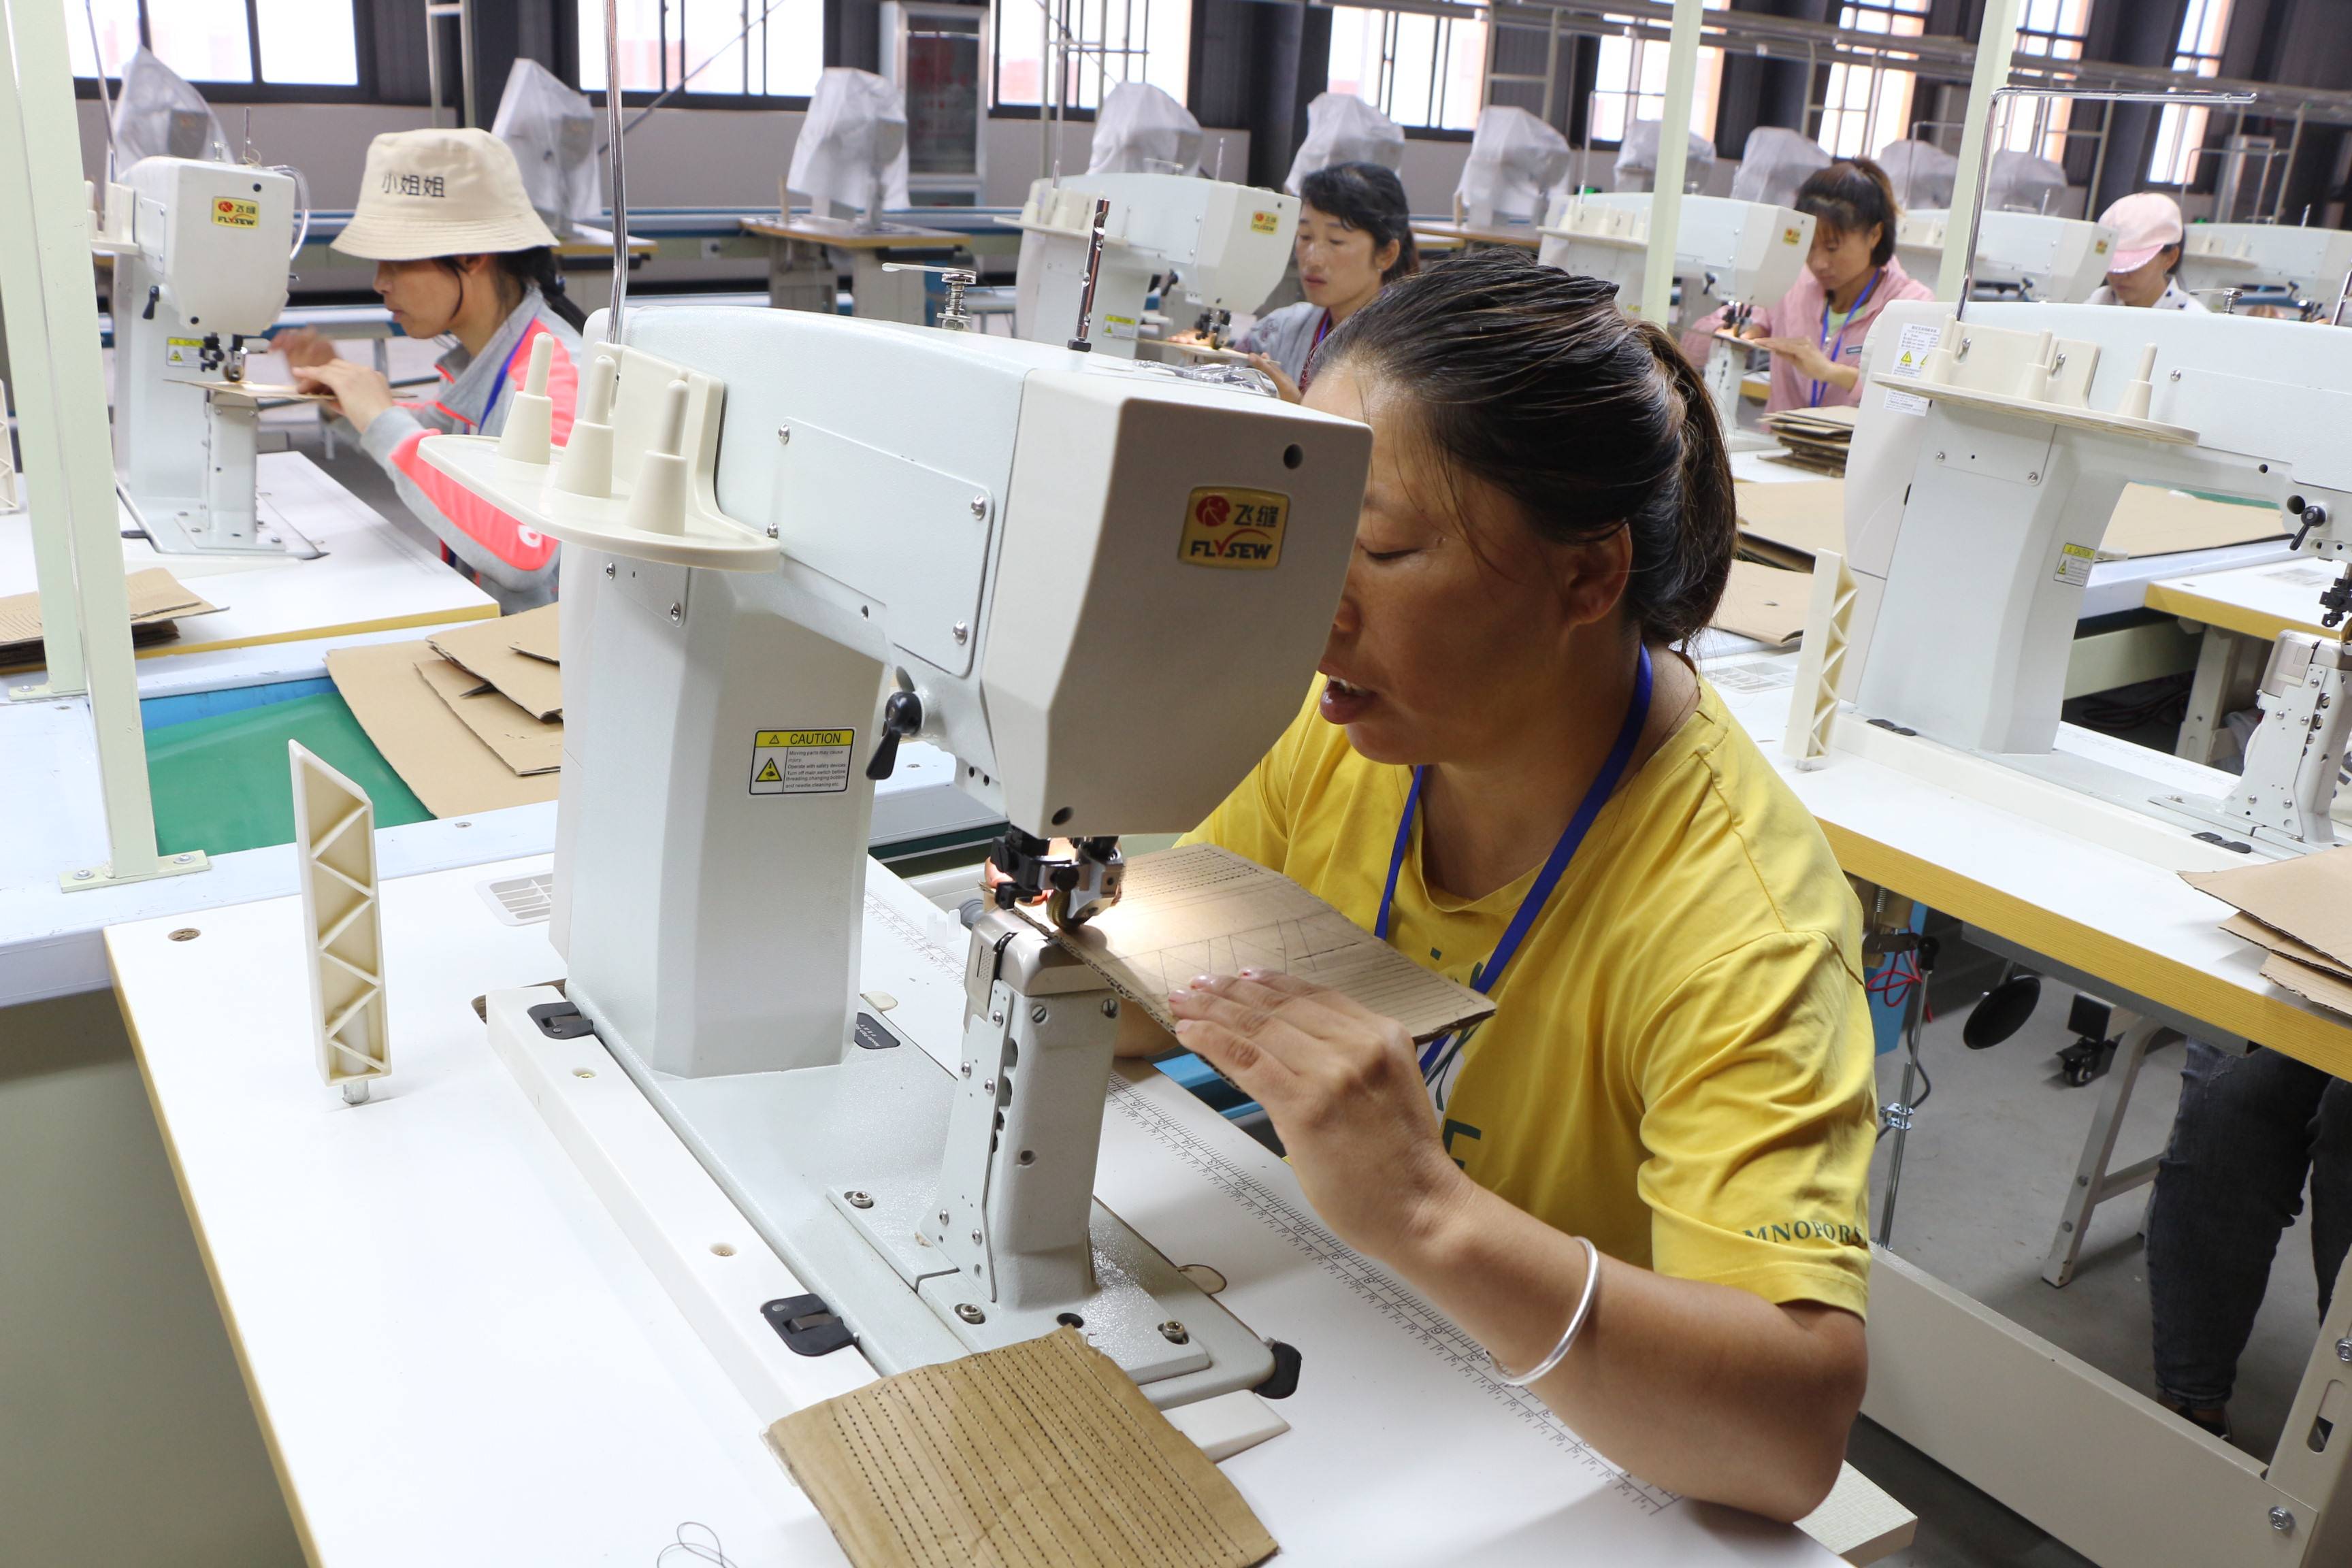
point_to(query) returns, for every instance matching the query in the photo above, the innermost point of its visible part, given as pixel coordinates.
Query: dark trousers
(2250, 1131)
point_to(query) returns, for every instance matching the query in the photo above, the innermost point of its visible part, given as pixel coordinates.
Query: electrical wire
(695, 1550)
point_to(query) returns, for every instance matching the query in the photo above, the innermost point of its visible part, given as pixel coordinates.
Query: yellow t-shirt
(1679, 1066)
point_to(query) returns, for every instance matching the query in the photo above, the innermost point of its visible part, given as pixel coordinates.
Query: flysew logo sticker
(1788, 235)
(1263, 222)
(1233, 529)
(231, 213)
(801, 762)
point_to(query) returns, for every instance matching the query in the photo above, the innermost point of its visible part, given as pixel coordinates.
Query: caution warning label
(2074, 564)
(801, 762)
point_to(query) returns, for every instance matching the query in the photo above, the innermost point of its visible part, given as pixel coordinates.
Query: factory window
(2179, 132)
(2055, 28)
(1424, 72)
(1629, 83)
(285, 43)
(1096, 44)
(694, 50)
(1865, 107)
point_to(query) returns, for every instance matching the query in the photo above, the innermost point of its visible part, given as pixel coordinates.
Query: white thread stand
(334, 844)
(1820, 662)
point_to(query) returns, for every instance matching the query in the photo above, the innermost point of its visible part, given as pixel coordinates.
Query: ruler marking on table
(1368, 1283)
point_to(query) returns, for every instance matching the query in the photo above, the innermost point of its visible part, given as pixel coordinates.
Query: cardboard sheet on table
(524, 744)
(2149, 520)
(156, 597)
(489, 650)
(2271, 940)
(534, 636)
(1199, 910)
(1040, 1455)
(2308, 898)
(264, 392)
(2330, 989)
(1792, 519)
(1765, 603)
(452, 772)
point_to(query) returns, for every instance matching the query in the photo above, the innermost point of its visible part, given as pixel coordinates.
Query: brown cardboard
(2245, 926)
(489, 650)
(2325, 986)
(2149, 520)
(452, 772)
(532, 637)
(1199, 910)
(1040, 1455)
(526, 745)
(1765, 603)
(2308, 898)
(156, 597)
(1792, 518)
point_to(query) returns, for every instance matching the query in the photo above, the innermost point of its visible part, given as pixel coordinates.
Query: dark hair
(534, 268)
(1849, 196)
(1532, 379)
(1368, 197)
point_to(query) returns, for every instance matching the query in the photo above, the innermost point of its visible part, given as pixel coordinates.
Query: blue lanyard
(505, 370)
(1489, 974)
(1868, 290)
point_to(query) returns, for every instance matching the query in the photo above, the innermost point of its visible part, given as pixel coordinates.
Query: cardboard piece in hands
(1199, 910)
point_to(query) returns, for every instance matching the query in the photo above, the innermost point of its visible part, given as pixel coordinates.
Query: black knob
(902, 715)
(154, 292)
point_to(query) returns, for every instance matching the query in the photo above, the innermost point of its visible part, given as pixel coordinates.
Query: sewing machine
(1727, 253)
(2309, 266)
(200, 253)
(1227, 246)
(1097, 584)
(2063, 260)
(1988, 455)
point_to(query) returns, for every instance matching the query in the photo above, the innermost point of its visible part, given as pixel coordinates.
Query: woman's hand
(1282, 383)
(304, 347)
(1343, 1088)
(359, 394)
(1805, 355)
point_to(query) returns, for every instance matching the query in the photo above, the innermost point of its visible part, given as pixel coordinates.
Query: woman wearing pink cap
(2147, 248)
(1817, 331)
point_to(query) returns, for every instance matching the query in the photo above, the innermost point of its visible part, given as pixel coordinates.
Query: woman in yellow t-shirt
(1641, 1184)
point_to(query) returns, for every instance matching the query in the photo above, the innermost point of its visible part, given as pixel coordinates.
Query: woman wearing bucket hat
(458, 253)
(2147, 248)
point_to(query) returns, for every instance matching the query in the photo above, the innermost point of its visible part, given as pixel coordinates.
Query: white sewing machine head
(1225, 245)
(2063, 260)
(2308, 266)
(1726, 252)
(201, 270)
(1989, 454)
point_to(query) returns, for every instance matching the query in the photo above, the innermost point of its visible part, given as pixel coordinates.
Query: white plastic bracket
(1820, 662)
(334, 845)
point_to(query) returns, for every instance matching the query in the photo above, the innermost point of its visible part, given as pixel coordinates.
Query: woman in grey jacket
(1355, 237)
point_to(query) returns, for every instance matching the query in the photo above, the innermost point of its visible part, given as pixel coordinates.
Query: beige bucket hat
(440, 193)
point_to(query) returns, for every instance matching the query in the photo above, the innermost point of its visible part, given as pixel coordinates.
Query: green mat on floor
(221, 783)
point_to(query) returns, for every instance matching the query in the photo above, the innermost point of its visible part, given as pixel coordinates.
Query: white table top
(453, 1350)
(372, 576)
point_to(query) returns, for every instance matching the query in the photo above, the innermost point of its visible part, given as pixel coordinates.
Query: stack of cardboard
(471, 720)
(1816, 438)
(159, 603)
(2299, 912)
(1784, 524)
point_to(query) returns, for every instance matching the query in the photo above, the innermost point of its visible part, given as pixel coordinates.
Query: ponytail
(538, 268)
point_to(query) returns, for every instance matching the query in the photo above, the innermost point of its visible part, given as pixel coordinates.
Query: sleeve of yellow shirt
(1254, 821)
(1759, 1117)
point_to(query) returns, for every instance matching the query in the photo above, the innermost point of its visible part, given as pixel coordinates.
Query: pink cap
(2143, 224)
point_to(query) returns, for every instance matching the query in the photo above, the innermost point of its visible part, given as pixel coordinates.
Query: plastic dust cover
(2022, 182)
(1515, 161)
(1343, 128)
(1922, 174)
(1777, 162)
(852, 150)
(551, 132)
(158, 115)
(1142, 130)
(1637, 159)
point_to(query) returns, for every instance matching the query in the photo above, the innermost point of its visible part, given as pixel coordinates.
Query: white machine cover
(1515, 161)
(159, 115)
(852, 150)
(2019, 182)
(1142, 130)
(1637, 159)
(1777, 162)
(551, 130)
(1343, 128)
(1921, 173)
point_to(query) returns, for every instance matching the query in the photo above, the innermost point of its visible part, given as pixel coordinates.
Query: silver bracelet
(1575, 1325)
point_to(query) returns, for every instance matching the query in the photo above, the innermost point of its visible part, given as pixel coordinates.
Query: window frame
(568, 17)
(258, 90)
(1921, 12)
(2196, 122)
(1074, 113)
(1443, 45)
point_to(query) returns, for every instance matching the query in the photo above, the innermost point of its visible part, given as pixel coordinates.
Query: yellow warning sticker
(229, 212)
(2075, 562)
(1264, 223)
(184, 353)
(801, 762)
(1235, 530)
